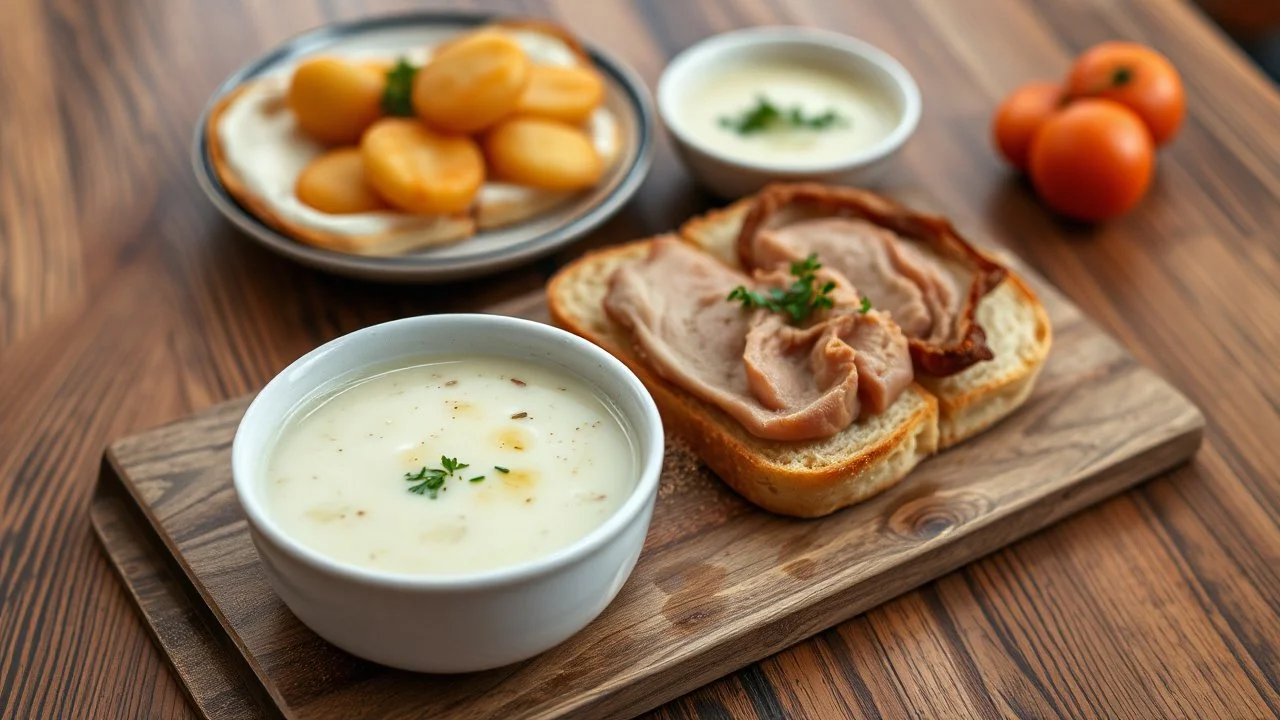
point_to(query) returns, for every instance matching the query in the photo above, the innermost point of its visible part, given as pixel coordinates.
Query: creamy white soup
(786, 112)
(450, 466)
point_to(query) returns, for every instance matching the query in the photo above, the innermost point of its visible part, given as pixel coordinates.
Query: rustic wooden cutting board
(719, 584)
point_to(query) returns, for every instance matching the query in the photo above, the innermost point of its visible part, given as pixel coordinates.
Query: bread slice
(802, 479)
(431, 231)
(717, 231)
(1017, 329)
(497, 205)
(1019, 334)
(500, 204)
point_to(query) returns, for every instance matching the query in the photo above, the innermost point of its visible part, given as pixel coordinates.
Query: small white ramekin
(733, 177)
(470, 622)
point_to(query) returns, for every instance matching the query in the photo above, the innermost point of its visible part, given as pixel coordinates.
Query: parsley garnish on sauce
(430, 480)
(767, 117)
(397, 98)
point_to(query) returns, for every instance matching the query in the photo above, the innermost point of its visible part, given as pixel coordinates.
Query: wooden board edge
(224, 689)
(177, 566)
(736, 652)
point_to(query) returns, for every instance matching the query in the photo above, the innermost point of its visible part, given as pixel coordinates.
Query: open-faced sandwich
(812, 344)
(377, 154)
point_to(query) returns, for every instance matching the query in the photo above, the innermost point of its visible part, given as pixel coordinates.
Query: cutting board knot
(934, 515)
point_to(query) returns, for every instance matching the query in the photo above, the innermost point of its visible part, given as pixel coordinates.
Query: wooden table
(126, 301)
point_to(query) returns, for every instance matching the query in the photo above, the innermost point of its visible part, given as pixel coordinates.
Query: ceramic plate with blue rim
(488, 251)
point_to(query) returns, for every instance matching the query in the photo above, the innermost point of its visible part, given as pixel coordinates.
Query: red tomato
(1134, 76)
(1092, 160)
(1020, 116)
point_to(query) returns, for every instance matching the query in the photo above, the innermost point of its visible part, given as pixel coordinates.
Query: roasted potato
(335, 183)
(420, 170)
(567, 94)
(335, 100)
(471, 83)
(542, 153)
(382, 66)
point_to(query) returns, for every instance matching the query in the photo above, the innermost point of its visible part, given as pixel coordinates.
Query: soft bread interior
(969, 402)
(717, 231)
(805, 479)
(1018, 333)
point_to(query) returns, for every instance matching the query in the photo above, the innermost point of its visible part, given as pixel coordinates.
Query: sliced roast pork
(913, 267)
(779, 381)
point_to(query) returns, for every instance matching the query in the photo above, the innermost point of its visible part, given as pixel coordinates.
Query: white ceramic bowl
(449, 623)
(732, 177)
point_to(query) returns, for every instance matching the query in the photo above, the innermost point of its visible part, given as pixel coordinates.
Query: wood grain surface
(719, 584)
(125, 302)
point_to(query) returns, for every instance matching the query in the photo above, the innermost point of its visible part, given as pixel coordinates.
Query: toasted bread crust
(716, 231)
(546, 27)
(497, 214)
(721, 443)
(966, 406)
(351, 244)
(929, 358)
(483, 215)
(955, 408)
(965, 414)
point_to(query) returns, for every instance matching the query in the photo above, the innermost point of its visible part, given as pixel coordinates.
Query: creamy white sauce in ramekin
(865, 115)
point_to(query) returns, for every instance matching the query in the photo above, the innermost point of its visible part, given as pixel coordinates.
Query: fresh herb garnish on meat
(865, 306)
(766, 117)
(798, 301)
(397, 98)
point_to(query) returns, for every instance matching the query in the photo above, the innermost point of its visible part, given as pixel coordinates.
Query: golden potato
(335, 100)
(567, 94)
(419, 170)
(542, 153)
(335, 183)
(472, 83)
(445, 45)
(382, 66)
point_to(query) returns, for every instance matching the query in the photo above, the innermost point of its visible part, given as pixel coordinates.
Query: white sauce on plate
(815, 89)
(262, 144)
(335, 480)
